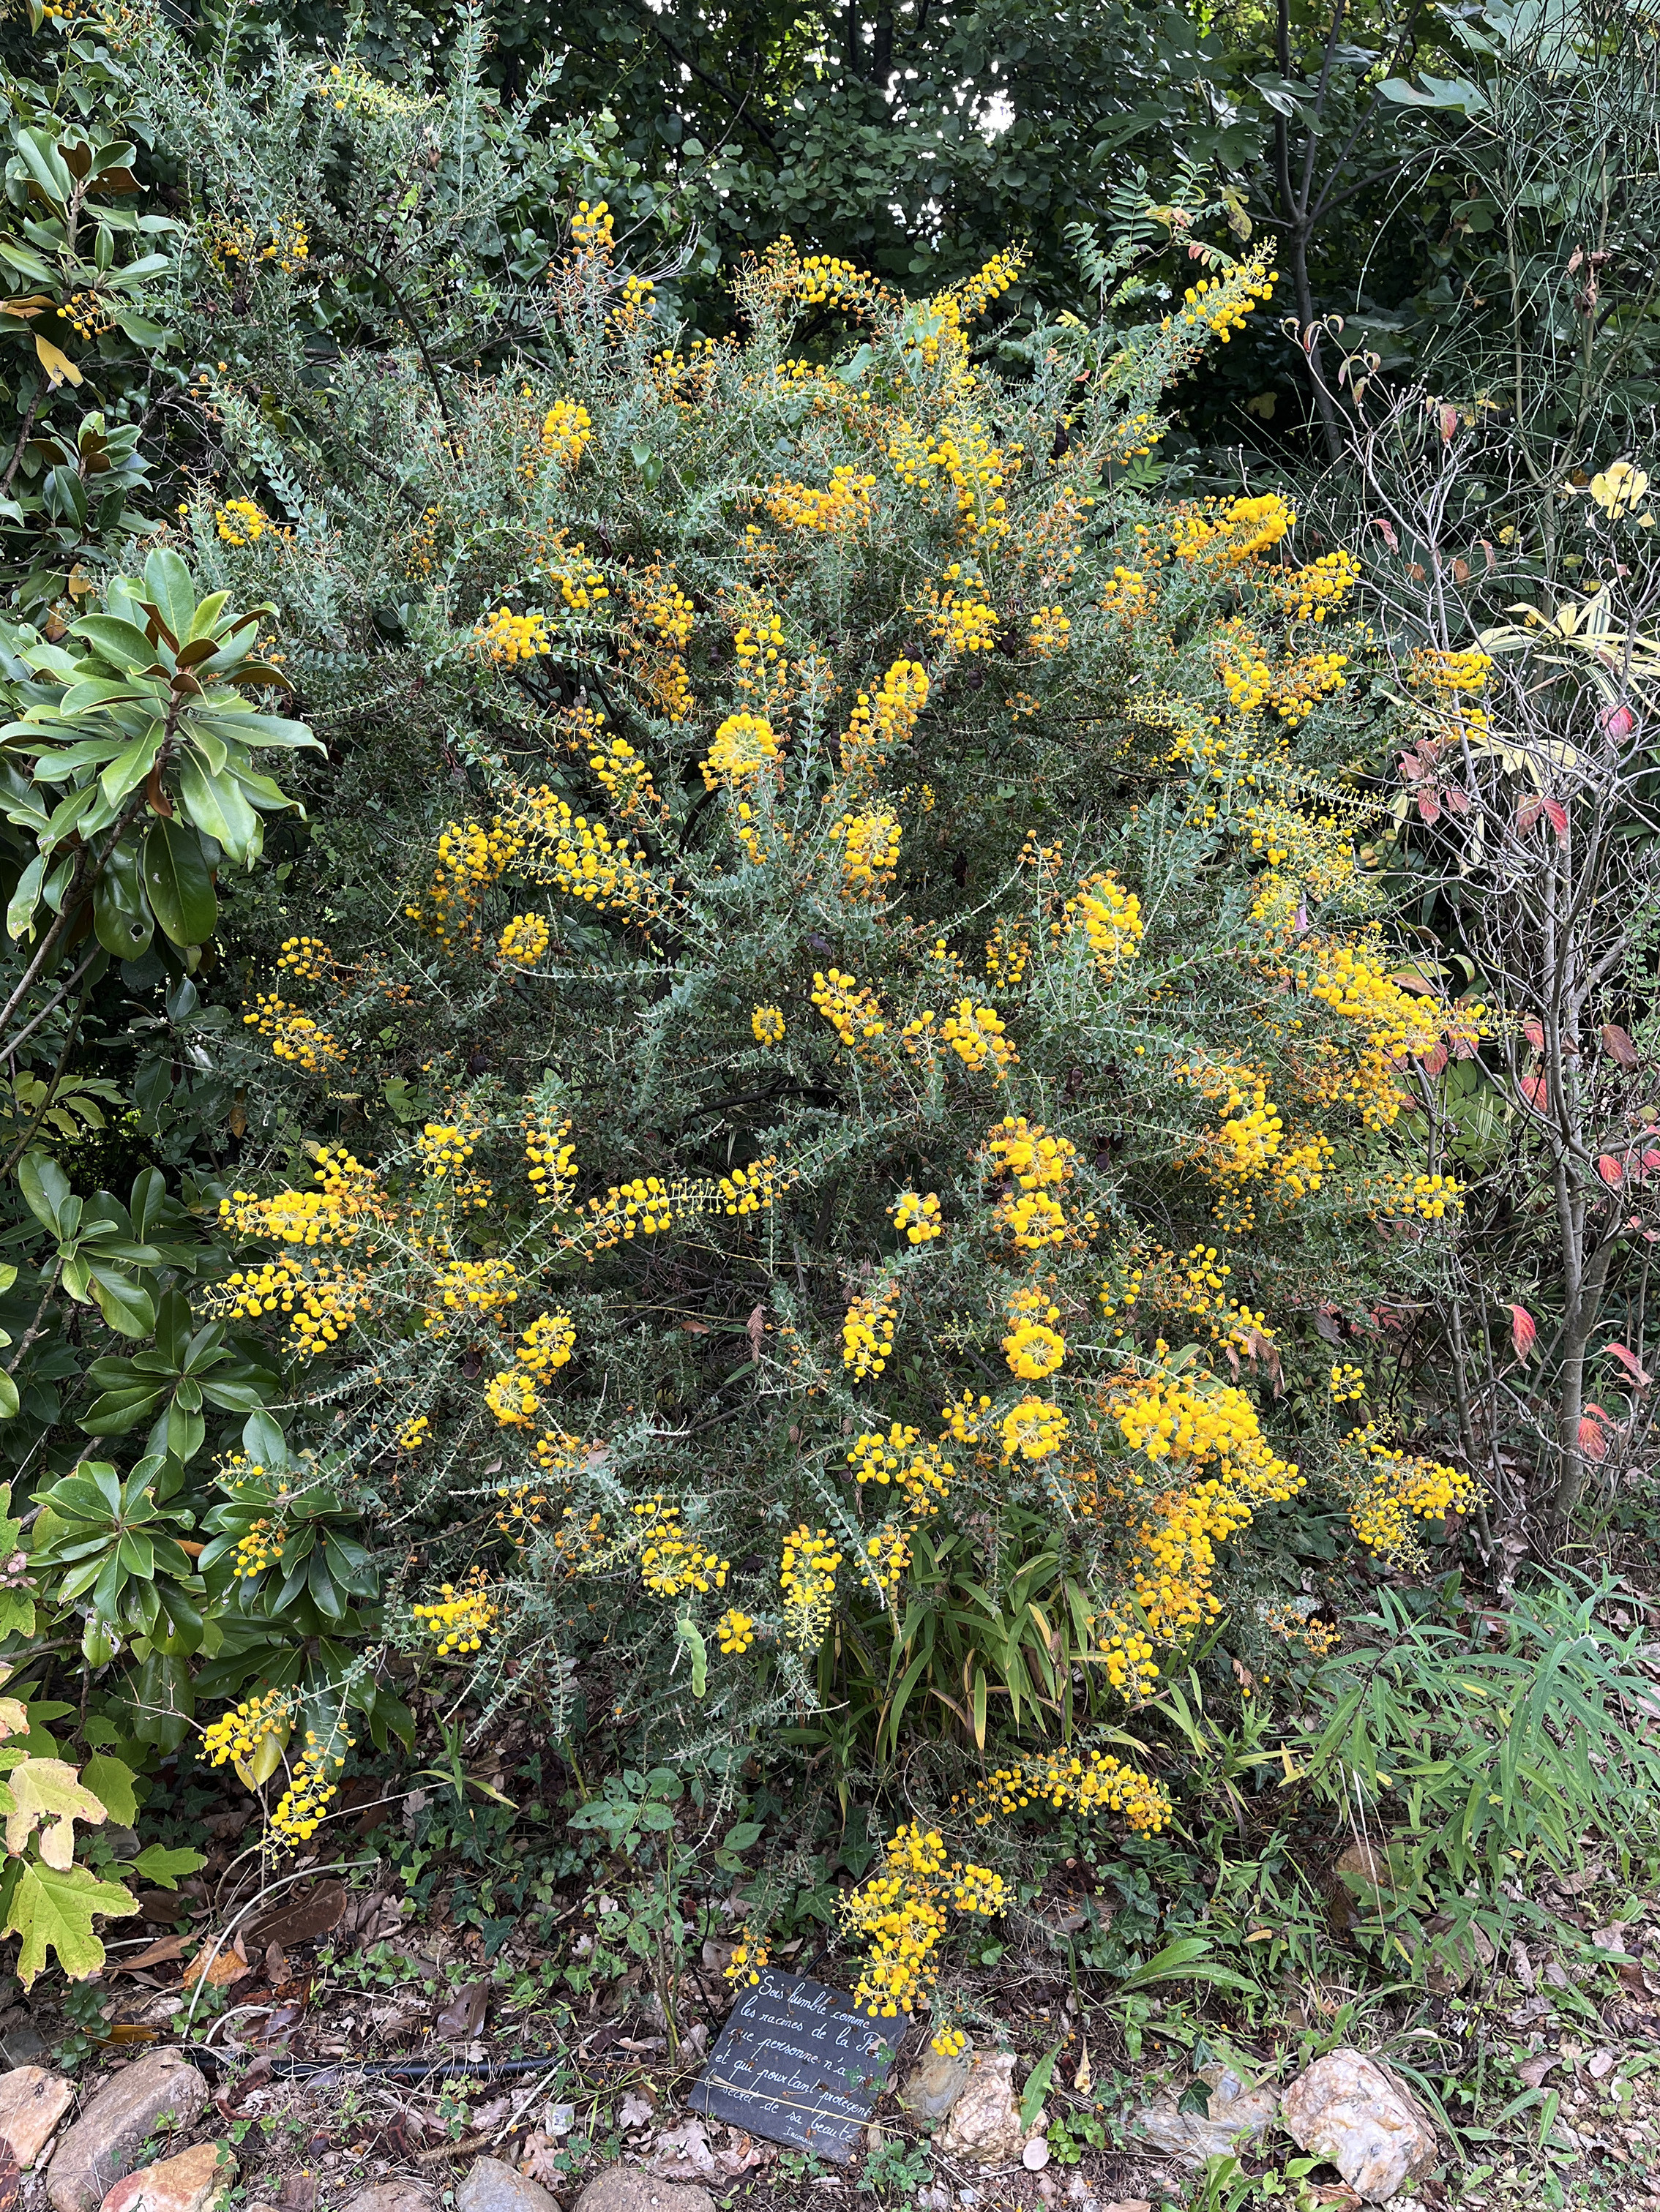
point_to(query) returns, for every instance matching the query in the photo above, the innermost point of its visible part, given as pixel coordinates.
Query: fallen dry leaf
(634, 2111)
(157, 1954)
(464, 2015)
(1601, 2062)
(683, 2153)
(1532, 2071)
(218, 1972)
(301, 1919)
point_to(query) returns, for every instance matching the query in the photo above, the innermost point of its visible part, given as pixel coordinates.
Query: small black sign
(798, 2063)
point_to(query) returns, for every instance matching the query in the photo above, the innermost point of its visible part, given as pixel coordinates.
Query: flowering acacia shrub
(885, 1034)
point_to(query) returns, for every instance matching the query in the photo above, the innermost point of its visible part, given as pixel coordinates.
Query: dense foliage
(884, 1091)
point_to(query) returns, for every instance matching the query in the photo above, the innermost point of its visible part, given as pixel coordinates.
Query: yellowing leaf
(56, 363)
(52, 1909)
(48, 1791)
(14, 1716)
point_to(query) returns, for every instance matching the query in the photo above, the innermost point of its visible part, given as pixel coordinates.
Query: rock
(402, 2194)
(1233, 2115)
(494, 2186)
(31, 2102)
(1455, 1959)
(198, 2179)
(934, 2086)
(984, 2126)
(1352, 2111)
(625, 2189)
(1034, 2155)
(116, 2121)
(23, 2044)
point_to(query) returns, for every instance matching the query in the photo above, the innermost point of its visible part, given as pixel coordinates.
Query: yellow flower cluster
(507, 638)
(852, 1010)
(547, 1343)
(1067, 1783)
(251, 1736)
(592, 225)
(1033, 1430)
(1392, 1489)
(767, 1025)
(1027, 1152)
(648, 1207)
(566, 430)
(921, 1472)
(1348, 1384)
(1301, 684)
(415, 1433)
(471, 1286)
(321, 1303)
(1229, 533)
(259, 1549)
(748, 1958)
(899, 1914)
(1196, 1284)
(671, 1564)
(1309, 594)
(950, 2042)
(887, 1555)
(294, 1036)
(877, 726)
(512, 1396)
(460, 1619)
(843, 506)
(867, 1335)
(1417, 1197)
(917, 1215)
(241, 522)
(744, 745)
(807, 1577)
(734, 1633)
(1110, 918)
(308, 959)
(870, 850)
(1449, 672)
(976, 1034)
(1033, 1347)
(551, 1168)
(966, 624)
(1050, 633)
(1220, 305)
(976, 293)
(626, 780)
(524, 941)
(312, 1783)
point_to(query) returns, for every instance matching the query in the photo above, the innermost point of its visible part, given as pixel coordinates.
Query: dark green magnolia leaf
(120, 911)
(177, 880)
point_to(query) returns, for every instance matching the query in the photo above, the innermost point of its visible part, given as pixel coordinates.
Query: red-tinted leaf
(1446, 417)
(1534, 1031)
(1610, 1170)
(1522, 1330)
(1633, 1366)
(1557, 815)
(1620, 1046)
(1429, 806)
(1433, 1062)
(1528, 813)
(1618, 722)
(1387, 531)
(1592, 1441)
(1536, 1091)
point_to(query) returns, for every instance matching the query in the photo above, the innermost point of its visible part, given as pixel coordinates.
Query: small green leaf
(111, 1781)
